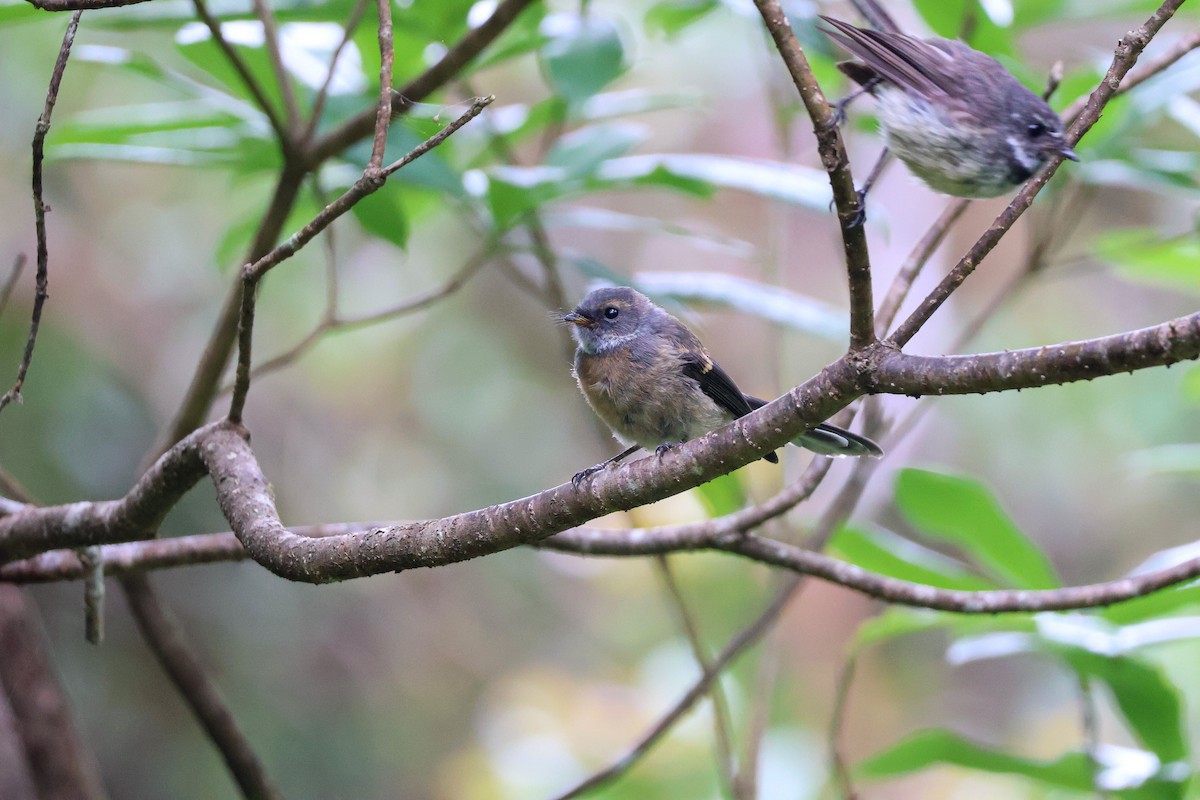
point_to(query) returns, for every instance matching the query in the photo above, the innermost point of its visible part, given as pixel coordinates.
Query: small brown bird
(652, 382)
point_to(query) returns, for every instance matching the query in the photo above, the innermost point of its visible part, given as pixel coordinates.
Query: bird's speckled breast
(643, 396)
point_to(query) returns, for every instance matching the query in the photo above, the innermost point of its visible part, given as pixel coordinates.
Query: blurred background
(648, 140)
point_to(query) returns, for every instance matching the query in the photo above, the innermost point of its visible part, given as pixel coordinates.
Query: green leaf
(791, 183)
(1152, 606)
(195, 42)
(1150, 703)
(1142, 255)
(671, 17)
(884, 552)
(897, 622)
(12, 13)
(966, 19)
(964, 512)
(722, 495)
(1191, 384)
(939, 746)
(581, 55)
(382, 213)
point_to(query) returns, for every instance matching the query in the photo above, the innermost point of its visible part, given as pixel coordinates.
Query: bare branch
(833, 156)
(334, 323)
(206, 381)
(282, 132)
(137, 515)
(840, 770)
(262, 10)
(463, 52)
(1145, 71)
(80, 5)
(916, 261)
(722, 726)
(387, 55)
(165, 638)
(318, 108)
(41, 282)
(371, 181)
(60, 764)
(1160, 345)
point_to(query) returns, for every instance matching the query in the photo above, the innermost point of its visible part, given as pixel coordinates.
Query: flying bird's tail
(876, 17)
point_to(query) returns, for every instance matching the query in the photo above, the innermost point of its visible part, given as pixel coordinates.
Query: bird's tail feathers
(830, 440)
(826, 439)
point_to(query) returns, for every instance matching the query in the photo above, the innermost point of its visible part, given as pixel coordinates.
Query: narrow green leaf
(722, 495)
(1154, 605)
(1191, 384)
(884, 552)
(939, 746)
(964, 512)
(897, 622)
(1141, 255)
(382, 213)
(791, 183)
(1150, 703)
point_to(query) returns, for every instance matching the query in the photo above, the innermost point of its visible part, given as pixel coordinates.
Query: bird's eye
(611, 312)
(1035, 130)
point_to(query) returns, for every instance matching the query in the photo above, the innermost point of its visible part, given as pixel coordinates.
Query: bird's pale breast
(644, 397)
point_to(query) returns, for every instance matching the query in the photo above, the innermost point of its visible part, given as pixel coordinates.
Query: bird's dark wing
(906, 61)
(714, 382)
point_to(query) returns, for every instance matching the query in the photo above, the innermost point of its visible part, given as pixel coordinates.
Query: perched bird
(959, 120)
(652, 382)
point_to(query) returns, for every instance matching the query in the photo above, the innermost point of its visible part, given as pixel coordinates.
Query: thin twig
(839, 767)
(722, 726)
(1145, 71)
(10, 284)
(745, 783)
(81, 5)
(165, 638)
(834, 515)
(833, 156)
(248, 80)
(383, 115)
(336, 323)
(206, 380)
(917, 259)
(318, 107)
(451, 65)
(371, 181)
(42, 281)
(266, 17)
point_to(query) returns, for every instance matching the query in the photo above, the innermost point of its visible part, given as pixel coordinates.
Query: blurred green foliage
(646, 137)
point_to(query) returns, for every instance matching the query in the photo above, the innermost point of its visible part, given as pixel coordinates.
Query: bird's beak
(575, 318)
(1064, 150)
